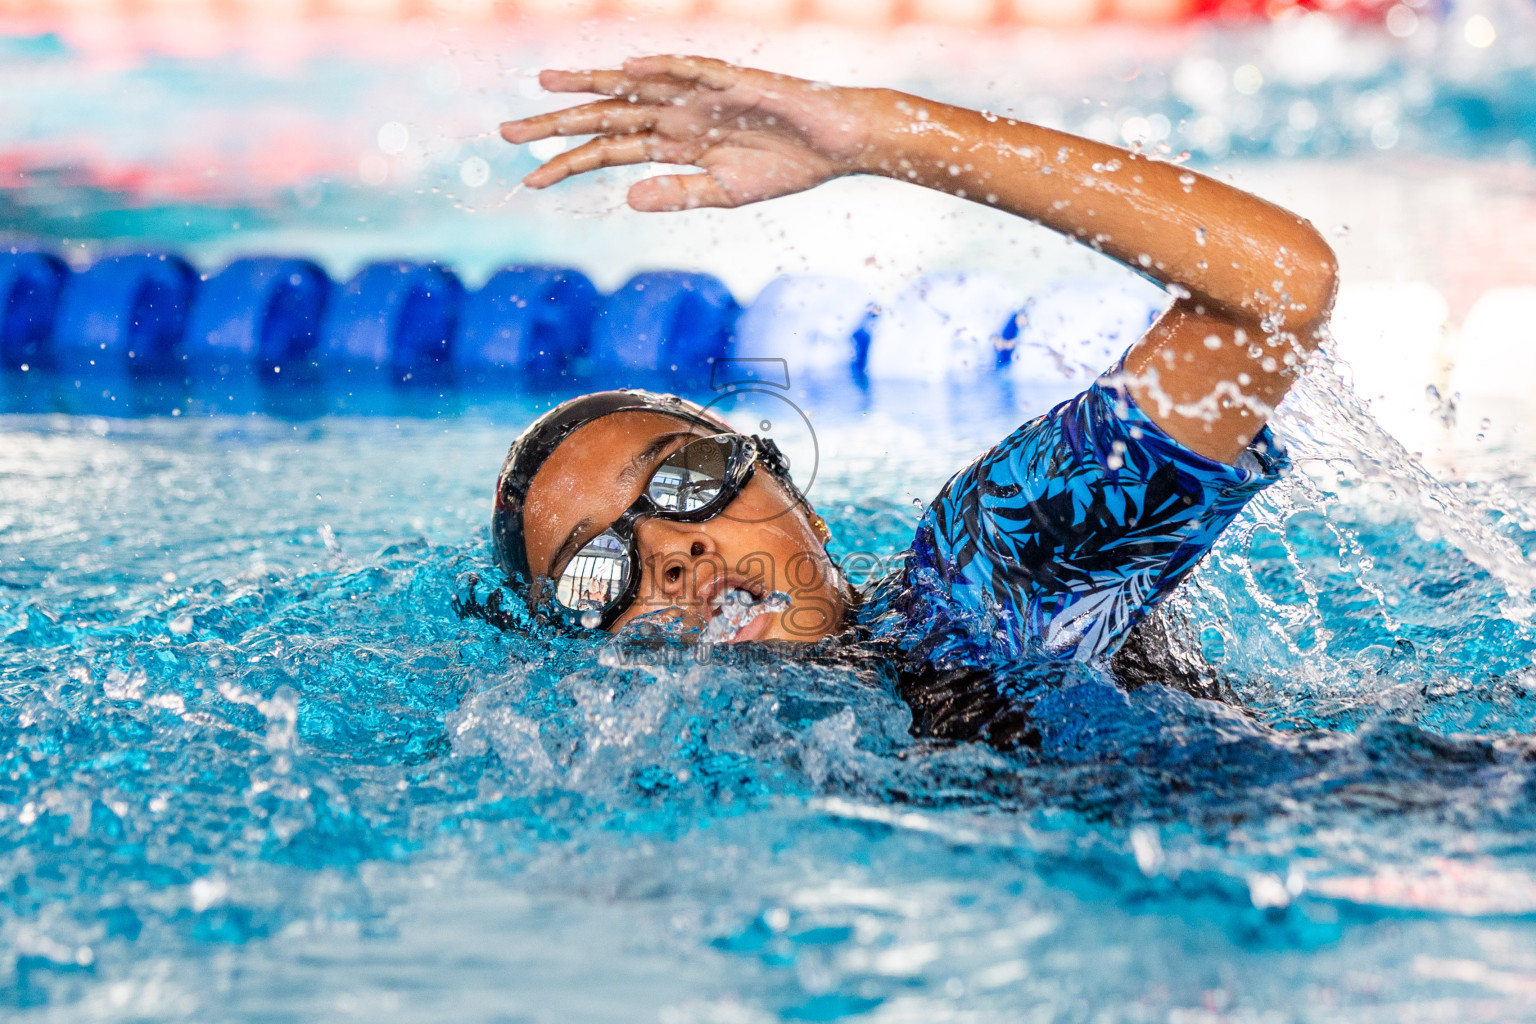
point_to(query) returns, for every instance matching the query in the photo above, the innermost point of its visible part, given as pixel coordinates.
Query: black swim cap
(535, 444)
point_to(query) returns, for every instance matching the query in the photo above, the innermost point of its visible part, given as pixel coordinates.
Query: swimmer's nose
(680, 556)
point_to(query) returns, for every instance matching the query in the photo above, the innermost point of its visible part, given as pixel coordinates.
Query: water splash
(735, 609)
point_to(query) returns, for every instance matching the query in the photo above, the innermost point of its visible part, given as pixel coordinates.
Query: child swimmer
(1052, 545)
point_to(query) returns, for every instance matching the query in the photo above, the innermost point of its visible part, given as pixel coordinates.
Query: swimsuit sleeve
(1061, 538)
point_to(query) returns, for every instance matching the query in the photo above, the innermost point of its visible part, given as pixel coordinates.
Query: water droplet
(475, 172)
(394, 137)
(591, 620)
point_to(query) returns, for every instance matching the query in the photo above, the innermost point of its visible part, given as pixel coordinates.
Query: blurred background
(348, 131)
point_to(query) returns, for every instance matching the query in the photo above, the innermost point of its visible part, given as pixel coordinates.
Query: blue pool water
(255, 768)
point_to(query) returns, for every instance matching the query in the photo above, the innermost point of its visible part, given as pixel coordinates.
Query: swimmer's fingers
(671, 192)
(606, 117)
(607, 151)
(616, 83)
(653, 195)
(705, 71)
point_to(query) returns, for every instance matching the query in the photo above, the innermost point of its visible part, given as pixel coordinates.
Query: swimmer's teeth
(733, 597)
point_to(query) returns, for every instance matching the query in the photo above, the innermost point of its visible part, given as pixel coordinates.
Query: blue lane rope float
(262, 311)
(30, 283)
(400, 317)
(282, 319)
(954, 326)
(818, 325)
(125, 313)
(526, 323)
(663, 323)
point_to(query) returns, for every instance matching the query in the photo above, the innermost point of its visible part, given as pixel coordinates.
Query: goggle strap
(776, 461)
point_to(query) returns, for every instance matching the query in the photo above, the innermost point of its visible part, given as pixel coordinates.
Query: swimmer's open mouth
(741, 609)
(710, 594)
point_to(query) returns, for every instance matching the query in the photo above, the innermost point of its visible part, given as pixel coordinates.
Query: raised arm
(1252, 283)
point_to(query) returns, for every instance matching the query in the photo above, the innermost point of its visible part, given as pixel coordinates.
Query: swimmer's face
(763, 540)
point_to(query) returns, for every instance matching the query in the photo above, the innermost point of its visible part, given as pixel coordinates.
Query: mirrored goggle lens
(691, 477)
(596, 576)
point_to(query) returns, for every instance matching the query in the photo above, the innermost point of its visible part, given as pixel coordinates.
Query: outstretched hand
(754, 134)
(1243, 271)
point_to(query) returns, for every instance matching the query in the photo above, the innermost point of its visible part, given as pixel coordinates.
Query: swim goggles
(693, 484)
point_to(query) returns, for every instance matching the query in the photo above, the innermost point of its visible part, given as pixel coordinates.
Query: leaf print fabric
(1061, 538)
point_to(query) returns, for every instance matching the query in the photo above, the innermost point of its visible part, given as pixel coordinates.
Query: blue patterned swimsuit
(1052, 545)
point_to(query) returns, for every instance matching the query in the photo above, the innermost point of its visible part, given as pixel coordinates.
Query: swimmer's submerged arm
(1253, 283)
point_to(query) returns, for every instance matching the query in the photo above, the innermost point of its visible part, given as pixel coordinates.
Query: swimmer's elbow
(1310, 287)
